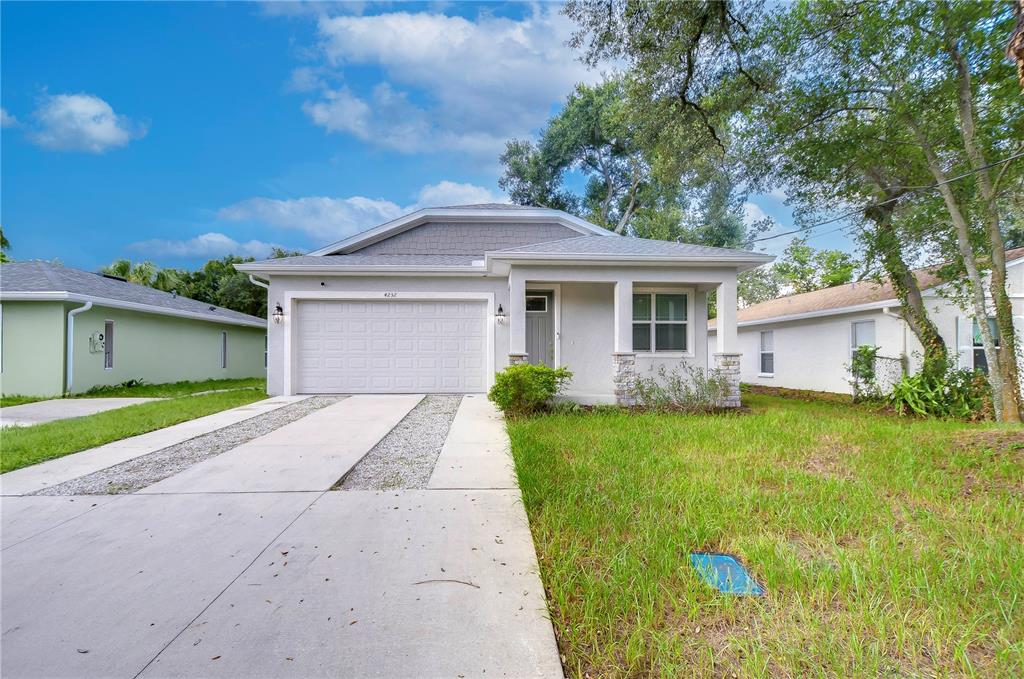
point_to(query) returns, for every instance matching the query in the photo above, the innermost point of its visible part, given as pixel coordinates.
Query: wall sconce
(500, 316)
(278, 315)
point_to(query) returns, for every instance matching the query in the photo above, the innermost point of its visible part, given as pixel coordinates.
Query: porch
(609, 325)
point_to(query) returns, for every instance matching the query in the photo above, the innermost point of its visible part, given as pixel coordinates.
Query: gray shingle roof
(490, 206)
(46, 277)
(597, 246)
(371, 260)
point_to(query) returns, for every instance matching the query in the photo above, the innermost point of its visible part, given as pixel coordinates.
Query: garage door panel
(390, 346)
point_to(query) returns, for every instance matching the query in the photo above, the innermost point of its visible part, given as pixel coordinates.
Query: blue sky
(178, 132)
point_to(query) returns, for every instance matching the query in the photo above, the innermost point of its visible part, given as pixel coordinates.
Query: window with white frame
(659, 321)
(224, 349)
(862, 334)
(980, 360)
(767, 352)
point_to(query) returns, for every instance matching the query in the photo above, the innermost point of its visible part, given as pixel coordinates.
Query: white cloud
(6, 119)
(81, 122)
(208, 245)
(328, 219)
(752, 213)
(452, 83)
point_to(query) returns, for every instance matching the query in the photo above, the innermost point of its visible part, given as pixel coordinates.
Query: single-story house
(65, 330)
(440, 299)
(806, 341)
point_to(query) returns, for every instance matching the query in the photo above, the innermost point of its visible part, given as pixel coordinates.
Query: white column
(516, 312)
(725, 334)
(623, 317)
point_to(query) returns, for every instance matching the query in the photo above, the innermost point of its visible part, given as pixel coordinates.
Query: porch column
(623, 358)
(516, 317)
(727, 354)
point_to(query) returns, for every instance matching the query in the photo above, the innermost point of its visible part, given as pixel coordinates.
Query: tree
(805, 269)
(5, 246)
(590, 135)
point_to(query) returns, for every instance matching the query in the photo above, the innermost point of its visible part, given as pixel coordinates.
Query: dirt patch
(829, 458)
(997, 441)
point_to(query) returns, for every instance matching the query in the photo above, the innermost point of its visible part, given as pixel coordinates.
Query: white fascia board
(57, 296)
(341, 270)
(870, 306)
(414, 219)
(742, 263)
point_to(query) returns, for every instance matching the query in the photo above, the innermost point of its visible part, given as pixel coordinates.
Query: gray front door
(540, 328)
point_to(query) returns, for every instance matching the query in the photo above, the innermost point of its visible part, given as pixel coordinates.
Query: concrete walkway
(45, 474)
(62, 409)
(284, 582)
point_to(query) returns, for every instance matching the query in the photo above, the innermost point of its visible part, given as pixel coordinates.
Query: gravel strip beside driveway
(405, 458)
(140, 472)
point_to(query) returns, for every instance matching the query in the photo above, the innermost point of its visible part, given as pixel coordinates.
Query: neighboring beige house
(440, 299)
(806, 341)
(65, 330)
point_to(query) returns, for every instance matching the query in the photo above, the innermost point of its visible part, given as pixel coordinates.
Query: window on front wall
(862, 334)
(767, 352)
(980, 361)
(659, 321)
(224, 349)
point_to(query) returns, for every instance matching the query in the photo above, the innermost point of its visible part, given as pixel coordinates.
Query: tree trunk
(977, 284)
(1004, 309)
(906, 286)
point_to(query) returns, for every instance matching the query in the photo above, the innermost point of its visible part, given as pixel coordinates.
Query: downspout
(252, 279)
(69, 364)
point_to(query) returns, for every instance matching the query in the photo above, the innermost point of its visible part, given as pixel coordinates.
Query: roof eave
(306, 269)
(742, 263)
(64, 296)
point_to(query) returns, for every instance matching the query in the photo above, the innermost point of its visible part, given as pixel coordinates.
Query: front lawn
(22, 446)
(889, 547)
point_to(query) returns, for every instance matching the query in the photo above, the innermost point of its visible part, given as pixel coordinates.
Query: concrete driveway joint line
(310, 454)
(26, 517)
(55, 409)
(45, 474)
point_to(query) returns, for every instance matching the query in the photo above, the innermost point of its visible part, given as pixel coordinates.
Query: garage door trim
(291, 300)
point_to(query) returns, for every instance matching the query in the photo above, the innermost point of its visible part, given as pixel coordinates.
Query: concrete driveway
(247, 565)
(62, 409)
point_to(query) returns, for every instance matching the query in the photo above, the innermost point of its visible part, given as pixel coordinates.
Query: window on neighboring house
(265, 349)
(224, 349)
(659, 321)
(980, 362)
(767, 352)
(862, 334)
(108, 345)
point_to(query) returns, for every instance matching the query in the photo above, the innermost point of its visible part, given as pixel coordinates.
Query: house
(440, 299)
(806, 341)
(65, 330)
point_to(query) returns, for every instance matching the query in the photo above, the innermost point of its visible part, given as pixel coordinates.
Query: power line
(859, 211)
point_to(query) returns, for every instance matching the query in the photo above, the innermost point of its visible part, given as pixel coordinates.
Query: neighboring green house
(65, 330)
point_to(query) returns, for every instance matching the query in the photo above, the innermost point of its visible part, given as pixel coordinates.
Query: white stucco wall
(814, 353)
(586, 308)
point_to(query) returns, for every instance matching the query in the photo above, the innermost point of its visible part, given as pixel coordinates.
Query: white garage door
(363, 346)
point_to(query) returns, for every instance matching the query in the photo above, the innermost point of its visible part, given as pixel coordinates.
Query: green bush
(864, 375)
(959, 394)
(524, 389)
(685, 388)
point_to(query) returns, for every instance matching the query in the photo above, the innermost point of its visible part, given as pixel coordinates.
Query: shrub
(960, 394)
(524, 389)
(684, 388)
(863, 375)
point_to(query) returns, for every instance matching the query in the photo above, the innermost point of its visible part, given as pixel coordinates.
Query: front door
(540, 328)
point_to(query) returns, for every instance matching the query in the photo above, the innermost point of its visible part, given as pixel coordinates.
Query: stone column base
(624, 378)
(518, 359)
(728, 366)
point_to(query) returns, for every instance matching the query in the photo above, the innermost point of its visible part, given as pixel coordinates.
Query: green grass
(17, 400)
(22, 446)
(889, 547)
(174, 389)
